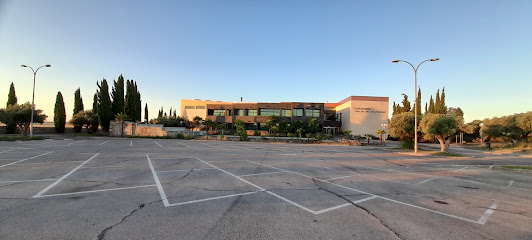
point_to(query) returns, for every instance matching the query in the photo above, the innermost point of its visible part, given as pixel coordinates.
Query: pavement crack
(103, 232)
(358, 206)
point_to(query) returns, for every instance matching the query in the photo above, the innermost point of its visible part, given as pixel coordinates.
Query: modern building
(360, 114)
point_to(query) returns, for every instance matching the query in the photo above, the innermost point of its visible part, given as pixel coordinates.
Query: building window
(239, 112)
(263, 127)
(251, 126)
(199, 107)
(270, 112)
(251, 112)
(312, 113)
(219, 113)
(298, 112)
(286, 112)
(190, 107)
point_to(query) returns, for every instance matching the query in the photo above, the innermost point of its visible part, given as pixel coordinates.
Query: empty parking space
(326, 190)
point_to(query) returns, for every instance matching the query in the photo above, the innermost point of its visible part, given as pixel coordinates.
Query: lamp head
(47, 65)
(434, 59)
(23, 66)
(395, 61)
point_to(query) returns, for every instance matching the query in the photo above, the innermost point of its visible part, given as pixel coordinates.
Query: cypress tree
(138, 104)
(406, 104)
(146, 113)
(431, 105)
(11, 97)
(118, 95)
(426, 109)
(437, 103)
(11, 100)
(418, 101)
(78, 102)
(59, 113)
(95, 104)
(443, 108)
(129, 100)
(105, 111)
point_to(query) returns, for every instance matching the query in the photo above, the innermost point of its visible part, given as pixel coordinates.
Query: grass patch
(480, 148)
(20, 138)
(446, 154)
(516, 167)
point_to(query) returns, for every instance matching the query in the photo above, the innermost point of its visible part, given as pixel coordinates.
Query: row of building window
(298, 112)
(194, 107)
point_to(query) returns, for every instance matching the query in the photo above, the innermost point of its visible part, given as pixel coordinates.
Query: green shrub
(319, 137)
(180, 136)
(407, 144)
(292, 135)
(256, 133)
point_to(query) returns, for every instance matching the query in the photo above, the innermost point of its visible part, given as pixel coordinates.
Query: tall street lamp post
(33, 95)
(415, 94)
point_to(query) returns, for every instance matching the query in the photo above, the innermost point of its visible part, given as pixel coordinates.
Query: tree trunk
(444, 143)
(381, 139)
(443, 146)
(447, 142)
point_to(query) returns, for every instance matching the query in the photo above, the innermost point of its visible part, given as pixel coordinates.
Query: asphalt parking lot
(112, 188)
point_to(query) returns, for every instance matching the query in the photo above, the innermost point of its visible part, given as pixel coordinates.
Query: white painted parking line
(158, 183)
(332, 208)
(345, 205)
(460, 169)
(262, 189)
(186, 170)
(44, 163)
(487, 214)
(498, 200)
(213, 198)
(228, 161)
(5, 151)
(111, 166)
(34, 180)
(70, 144)
(63, 177)
(261, 173)
(291, 202)
(381, 197)
(336, 178)
(25, 159)
(424, 181)
(131, 144)
(94, 191)
(104, 143)
(510, 183)
(186, 145)
(156, 143)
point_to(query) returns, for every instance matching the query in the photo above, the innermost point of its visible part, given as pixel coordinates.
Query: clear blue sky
(271, 51)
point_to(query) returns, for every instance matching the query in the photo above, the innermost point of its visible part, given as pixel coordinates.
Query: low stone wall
(149, 130)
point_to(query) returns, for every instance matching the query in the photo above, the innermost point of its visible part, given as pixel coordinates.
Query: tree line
(123, 103)
(442, 123)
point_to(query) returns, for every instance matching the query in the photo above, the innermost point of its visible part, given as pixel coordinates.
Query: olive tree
(441, 127)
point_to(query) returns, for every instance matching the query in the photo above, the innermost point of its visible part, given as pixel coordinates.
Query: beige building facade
(360, 114)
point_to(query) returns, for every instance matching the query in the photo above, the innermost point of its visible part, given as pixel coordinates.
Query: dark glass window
(190, 107)
(312, 113)
(270, 112)
(219, 113)
(251, 112)
(298, 112)
(286, 112)
(239, 112)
